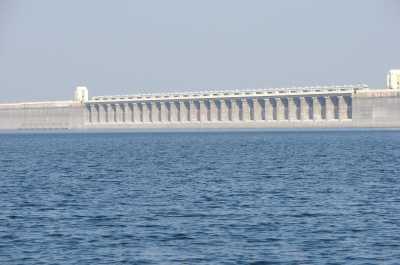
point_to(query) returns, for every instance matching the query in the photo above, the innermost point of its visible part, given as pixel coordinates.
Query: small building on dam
(350, 106)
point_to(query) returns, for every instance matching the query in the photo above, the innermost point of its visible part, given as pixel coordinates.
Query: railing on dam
(310, 105)
(210, 94)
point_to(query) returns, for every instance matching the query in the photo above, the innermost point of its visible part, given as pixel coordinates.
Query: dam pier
(349, 106)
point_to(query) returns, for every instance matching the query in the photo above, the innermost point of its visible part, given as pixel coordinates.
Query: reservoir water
(275, 197)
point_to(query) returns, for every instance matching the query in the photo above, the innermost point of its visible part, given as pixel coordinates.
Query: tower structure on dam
(393, 79)
(296, 107)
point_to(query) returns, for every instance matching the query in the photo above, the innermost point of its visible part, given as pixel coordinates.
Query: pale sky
(47, 47)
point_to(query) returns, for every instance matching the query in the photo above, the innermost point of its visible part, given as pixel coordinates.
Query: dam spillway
(215, 109)
(350, 106)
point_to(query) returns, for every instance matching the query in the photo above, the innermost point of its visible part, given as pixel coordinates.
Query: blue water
(200, 198)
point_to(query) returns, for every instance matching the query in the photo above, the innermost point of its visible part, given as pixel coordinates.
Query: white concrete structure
(393, 79)
(81, 94)
(41, 115)
(296, 107)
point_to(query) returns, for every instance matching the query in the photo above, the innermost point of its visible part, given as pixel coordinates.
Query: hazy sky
(124, 47)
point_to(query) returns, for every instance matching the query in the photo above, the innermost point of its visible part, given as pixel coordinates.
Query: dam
(348, 106)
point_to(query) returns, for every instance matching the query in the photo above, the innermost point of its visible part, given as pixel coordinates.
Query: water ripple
(200, 198)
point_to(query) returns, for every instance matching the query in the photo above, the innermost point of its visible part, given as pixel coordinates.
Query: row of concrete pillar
(223, 110)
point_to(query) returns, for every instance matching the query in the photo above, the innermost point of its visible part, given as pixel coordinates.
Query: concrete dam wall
(377, 108)
(311, 107)
(307, 107)
(62, 115)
